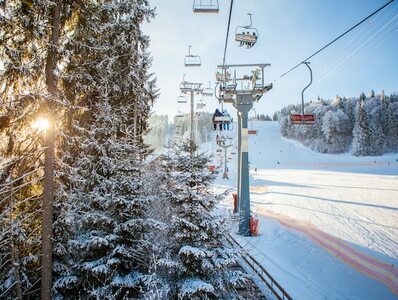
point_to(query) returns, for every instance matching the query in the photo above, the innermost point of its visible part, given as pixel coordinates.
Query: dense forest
(160, 131)
(362, 126)
(123, 227)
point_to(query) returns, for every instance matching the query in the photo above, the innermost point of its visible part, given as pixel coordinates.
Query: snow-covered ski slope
(352, 198)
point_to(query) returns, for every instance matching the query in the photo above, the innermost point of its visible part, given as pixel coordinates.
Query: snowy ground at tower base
(354, 199)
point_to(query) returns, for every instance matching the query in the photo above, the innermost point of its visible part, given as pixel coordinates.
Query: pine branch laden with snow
(190, 257)
(104, 96)
(363, 126)
(24, 47)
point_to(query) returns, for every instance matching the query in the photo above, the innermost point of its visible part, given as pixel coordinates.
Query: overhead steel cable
(339, 37)
(356, 40)
(226, 38)
(336, 66)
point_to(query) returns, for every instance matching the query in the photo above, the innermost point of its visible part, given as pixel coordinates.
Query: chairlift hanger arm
(302, 92)
(251, 21)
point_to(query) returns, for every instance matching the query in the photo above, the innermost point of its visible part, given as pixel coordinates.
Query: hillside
(351, 198)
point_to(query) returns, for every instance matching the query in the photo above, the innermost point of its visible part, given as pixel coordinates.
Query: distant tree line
(363, 126)
(159, 130)
(261, 117)
(203, 125)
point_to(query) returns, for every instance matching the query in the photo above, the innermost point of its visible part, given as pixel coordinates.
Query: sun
(41, 124)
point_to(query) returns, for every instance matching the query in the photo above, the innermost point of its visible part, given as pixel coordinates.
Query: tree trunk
(47, 231)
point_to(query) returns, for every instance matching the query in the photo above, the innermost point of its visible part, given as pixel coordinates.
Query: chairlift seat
(220, 77)
(200, 105)
(205, 6)
(182, 99)
(206, 9)
(306, 119)
(222, 119)
(227, 98)
(208, 92)
(246, 35)
(192, 61)
(230, 88)
(246, 38)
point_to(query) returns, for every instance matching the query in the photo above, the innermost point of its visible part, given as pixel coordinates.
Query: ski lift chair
(179, 114)
(192, 60)
(303, 119)
(200, 105)
(299, 119)
(221, 120)
(205, 6)
(223, 75)
(182, 99)
(246, 35)
(208, 92)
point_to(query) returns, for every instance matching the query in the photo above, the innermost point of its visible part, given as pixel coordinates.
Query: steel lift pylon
(242, 92)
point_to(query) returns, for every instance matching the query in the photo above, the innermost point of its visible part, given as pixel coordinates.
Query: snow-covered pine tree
(194, 264)
(376, 138)
(392, 125)
(383, 113)
(362, 97)
(361, 138)
(109, 249)
(27, 53)
(336, 131)
(102, 254)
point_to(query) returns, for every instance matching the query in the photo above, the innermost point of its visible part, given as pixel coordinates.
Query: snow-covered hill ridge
(269, 147)
(361, 126)
(354, 199)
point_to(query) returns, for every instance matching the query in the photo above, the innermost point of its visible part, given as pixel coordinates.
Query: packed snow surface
(352, 198)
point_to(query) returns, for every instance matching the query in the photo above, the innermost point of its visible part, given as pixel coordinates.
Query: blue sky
(290, 30)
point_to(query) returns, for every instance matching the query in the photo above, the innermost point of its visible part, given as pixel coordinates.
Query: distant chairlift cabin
(246, 35)
(205, 6)
(208, 92)
(192, 60)
(201, 105)
(182, 99)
